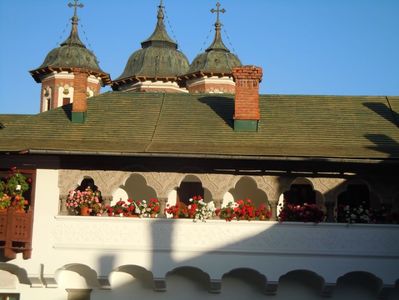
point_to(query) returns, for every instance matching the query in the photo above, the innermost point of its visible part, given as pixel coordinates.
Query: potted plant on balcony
(227, 213)
(173, 211)
(123, 209)
(198, 210)
(4, 198)
(5, 201)
(148, 209)
(84, 203)
(12, 191)
(17, 184)
(301, 213)
(353, 214)
(244, 210)
(263, 212)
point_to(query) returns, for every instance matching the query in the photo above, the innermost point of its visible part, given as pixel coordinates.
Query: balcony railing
(16, 232)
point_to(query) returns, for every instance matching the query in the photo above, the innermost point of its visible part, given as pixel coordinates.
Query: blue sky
(325, 47)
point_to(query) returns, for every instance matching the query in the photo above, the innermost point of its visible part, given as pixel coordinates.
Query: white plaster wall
(225, 80)
(88, 252)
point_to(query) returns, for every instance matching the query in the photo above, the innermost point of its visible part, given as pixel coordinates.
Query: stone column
(273, 205)
(218, 204)
(107, 199)
(162, 202)
(63, 211)
(330, 216)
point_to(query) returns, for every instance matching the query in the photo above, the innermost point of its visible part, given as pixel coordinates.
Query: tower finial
(160, 15)
(73, 38)
(75, 6)
(217, 43)
(217, 11)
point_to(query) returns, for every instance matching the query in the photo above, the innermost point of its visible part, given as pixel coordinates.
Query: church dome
(71, 54)
(158, 58)
(217, 58)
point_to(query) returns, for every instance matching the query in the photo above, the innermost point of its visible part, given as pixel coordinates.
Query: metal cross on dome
(75, 6)
(218, 11)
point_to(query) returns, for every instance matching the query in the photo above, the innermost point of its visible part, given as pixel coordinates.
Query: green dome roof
(217, 58)
(72, 53)
(158, 58)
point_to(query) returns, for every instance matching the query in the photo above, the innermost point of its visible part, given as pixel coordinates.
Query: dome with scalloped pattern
(217, 58)
(158, 59)
(72, 53)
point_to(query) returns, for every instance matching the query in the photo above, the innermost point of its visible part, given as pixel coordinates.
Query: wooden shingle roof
(122, 123)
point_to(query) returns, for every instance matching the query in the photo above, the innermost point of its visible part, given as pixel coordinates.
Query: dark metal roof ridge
(216, 156)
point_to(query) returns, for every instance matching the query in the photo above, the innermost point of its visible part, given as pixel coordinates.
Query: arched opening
(190, 186)
(353, 205)
(300, 192)
(301, 203)
(137, 188)
(86, 183)
(246, 188)
(85, 199)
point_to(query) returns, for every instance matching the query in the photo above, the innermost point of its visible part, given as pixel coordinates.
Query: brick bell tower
(70, 74)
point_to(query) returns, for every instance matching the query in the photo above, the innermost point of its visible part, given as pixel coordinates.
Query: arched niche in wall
(136, 188)
(132, 278)
(358, 285)
(246, 188)
(76, 276)
(186, 280)
(300, 284)
(244, 281)
(11, 272)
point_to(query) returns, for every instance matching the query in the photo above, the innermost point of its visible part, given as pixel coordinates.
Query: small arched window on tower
(46, 102)
(66, 99)
(89, 92)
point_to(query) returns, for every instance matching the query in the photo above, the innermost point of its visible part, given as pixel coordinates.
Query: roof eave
(357, 160)
(39, 72)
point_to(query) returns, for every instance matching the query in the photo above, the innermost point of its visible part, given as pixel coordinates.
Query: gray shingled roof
(201, 124)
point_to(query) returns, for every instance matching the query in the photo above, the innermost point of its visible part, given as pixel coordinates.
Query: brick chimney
(246, 104)
(79, 105)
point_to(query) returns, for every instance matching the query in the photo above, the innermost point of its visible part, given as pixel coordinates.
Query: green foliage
(2, 188)
(17, 184)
